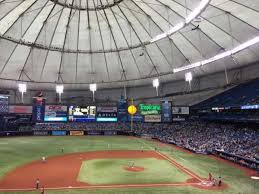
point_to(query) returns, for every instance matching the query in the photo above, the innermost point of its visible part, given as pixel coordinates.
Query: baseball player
(37, 183)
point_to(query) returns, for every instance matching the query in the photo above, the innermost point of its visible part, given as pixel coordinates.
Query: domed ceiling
(110, 42)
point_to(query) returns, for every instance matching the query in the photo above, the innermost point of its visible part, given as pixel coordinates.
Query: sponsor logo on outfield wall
(41, 133)
(153, 118)
(76, 133)
(59, 133)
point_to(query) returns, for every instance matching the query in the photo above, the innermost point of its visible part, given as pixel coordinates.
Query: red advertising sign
(19, 109)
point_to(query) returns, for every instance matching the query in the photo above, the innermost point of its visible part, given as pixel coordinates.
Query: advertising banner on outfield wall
(19, 109)
(166, 112)
(76, 133)
(40, 133)
(94, 132)
(152, 118)
(59, 133)
(110, 133)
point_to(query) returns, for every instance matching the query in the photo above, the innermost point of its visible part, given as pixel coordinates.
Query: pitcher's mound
(134, 168)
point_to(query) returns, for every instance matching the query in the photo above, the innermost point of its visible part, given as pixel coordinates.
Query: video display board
(166, 111)
(55, 113)
(38, 109)
(122, 110)
(4, 104)
(150, 109)
(82, 113)
(106, 114)
(180, 110)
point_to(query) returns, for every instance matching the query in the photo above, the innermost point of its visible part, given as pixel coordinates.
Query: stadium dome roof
(111, 42)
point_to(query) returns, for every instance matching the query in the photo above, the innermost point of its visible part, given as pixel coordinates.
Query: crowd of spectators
(198, 136)
(207, 137)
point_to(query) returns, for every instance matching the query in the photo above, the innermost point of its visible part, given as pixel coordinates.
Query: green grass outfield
(111, 171)
(21, 150)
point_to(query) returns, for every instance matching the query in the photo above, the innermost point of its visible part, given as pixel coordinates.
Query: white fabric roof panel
(12, 16)
(108, 42)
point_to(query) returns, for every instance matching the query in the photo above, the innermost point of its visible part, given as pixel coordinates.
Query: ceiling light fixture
(93, 88)
(156, 85)
(22, 87)
(60, 91)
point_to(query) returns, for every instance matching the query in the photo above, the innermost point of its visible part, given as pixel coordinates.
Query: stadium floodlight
(22, 87)
(194, 14)
(156, 85)
(59, 90)
(93, 88)
(188, 78)
(219, 56)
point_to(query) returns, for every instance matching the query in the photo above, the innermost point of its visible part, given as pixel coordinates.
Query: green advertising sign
(149, 109)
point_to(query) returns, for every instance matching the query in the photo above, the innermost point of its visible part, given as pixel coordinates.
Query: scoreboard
(56, 113)
(82, 113)
(106, 114)
(4, 104)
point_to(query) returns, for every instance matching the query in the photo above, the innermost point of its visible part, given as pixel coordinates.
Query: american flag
(4, 104)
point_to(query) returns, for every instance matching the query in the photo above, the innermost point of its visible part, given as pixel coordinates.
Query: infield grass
(111, 171)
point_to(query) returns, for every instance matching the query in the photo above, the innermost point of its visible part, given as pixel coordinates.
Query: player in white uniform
(43, 159)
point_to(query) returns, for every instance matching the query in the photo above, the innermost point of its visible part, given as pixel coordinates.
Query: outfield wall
(64, 133)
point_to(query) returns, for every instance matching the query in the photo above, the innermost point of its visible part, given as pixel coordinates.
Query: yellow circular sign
(132, 109)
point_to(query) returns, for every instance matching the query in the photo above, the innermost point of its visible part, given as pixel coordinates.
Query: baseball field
(114, 164)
